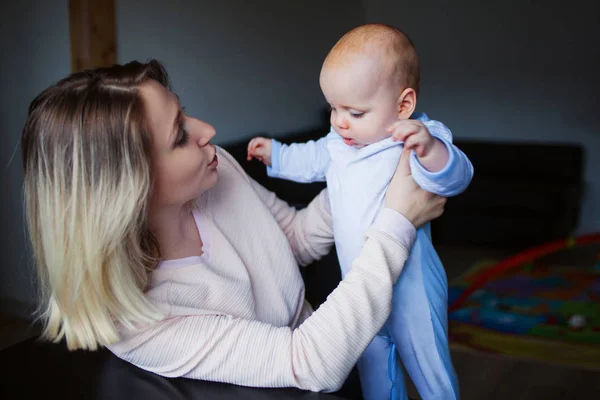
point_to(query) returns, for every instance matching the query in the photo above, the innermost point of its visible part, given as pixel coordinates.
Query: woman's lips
(214, 162)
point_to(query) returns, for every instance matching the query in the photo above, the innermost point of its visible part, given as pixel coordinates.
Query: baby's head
(370, 79)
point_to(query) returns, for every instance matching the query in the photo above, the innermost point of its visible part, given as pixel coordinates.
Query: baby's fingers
(401, 130)
(252, 148)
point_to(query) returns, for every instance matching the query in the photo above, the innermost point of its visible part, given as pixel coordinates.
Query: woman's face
(184, 163)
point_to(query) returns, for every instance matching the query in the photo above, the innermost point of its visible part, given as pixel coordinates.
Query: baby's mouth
(350, 142)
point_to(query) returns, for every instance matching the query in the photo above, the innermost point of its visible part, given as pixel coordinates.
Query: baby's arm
(299, 162)
(437, 165)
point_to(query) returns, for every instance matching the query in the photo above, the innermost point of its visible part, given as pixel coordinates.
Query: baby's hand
(260, 148)
(414, 135)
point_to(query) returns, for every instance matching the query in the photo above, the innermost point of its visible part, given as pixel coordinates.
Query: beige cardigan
(237, 314)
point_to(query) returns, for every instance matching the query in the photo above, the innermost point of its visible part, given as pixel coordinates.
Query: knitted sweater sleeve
(317, 355)
(309, 231)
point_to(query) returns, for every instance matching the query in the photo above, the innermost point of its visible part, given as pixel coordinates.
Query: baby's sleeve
(455, 177)
(299, 162)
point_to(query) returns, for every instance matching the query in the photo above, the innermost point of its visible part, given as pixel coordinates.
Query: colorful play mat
(542, 304)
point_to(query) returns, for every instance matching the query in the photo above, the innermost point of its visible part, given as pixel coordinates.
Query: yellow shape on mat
(481, 339)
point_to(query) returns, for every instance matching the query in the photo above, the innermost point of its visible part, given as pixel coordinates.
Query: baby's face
(363, 103)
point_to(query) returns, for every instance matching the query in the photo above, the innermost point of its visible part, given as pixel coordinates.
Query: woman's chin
(209, 180)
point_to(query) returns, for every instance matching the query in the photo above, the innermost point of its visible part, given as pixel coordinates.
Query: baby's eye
(357, 114)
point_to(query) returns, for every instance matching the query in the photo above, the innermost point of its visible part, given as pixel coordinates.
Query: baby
(370, 79)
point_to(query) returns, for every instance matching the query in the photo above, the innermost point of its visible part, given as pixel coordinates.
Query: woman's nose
(206, 133)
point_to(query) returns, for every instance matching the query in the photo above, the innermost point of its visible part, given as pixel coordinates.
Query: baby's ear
(407, 103)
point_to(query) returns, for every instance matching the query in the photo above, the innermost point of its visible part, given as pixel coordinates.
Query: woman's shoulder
(233, 184)
(227, 160)
(229, 164)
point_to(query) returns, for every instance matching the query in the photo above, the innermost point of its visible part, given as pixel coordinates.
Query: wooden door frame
(92, 29)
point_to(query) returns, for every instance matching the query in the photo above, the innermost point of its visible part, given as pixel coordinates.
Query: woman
(153, 242)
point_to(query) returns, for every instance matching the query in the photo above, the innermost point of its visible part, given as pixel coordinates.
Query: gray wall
(244, 66)
(509, 70)
(34, 43)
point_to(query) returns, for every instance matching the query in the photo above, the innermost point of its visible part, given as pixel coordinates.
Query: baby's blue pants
(417, 332)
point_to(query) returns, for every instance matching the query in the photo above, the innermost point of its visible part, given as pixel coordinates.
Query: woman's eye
(183, 138)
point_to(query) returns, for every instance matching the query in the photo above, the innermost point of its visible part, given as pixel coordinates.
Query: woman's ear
(407, 102)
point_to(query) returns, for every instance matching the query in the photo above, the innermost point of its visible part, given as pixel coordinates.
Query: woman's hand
(406, 197)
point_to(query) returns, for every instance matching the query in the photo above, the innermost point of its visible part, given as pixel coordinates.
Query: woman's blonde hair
(86, 158)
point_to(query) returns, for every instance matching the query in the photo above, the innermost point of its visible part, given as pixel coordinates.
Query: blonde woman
(153, 242)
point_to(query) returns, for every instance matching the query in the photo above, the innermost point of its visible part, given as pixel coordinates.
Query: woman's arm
(317, 356)
(309, 231)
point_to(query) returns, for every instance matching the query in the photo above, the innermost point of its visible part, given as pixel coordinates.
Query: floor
(488, 377)
(481, 376)
(493, 378)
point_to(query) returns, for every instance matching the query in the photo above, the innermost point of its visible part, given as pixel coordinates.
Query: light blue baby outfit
(357, 179)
